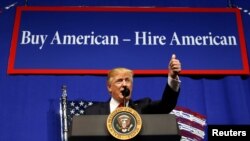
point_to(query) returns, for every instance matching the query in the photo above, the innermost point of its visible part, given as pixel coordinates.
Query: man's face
(118, 83)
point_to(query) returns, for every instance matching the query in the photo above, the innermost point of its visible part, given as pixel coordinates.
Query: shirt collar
(113, 104)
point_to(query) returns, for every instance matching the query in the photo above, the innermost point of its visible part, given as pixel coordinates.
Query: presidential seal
(124, 123)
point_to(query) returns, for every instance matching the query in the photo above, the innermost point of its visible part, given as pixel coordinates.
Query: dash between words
(140, 38)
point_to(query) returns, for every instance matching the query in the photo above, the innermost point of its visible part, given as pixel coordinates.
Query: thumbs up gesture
(174, 67)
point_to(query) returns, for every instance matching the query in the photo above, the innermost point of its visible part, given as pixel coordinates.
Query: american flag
(76, 108)
(192, 125)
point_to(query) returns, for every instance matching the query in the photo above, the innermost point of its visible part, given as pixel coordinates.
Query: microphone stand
(124, 101)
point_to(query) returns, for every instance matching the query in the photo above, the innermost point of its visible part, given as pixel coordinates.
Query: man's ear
(109, 87)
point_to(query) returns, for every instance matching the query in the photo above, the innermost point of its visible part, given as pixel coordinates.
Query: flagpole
(63, 111)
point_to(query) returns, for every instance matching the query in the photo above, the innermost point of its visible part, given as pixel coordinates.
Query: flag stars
(72, 104)
(81, 103)
(81, 112)
(77, 108)
(72, 111)
(90, 103)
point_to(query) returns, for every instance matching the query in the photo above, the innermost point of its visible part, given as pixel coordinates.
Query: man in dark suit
(122, 78)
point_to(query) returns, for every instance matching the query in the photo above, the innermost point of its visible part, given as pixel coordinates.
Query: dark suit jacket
(142, 106)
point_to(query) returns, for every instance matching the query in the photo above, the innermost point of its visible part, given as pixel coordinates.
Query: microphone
(125, 91)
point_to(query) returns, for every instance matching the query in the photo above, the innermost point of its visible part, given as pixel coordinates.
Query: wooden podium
(157, 127)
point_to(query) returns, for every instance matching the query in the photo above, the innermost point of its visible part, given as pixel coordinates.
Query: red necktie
(121, 105)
